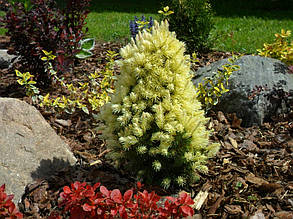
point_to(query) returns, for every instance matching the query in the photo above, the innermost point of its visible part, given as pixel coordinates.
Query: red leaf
(116, 196)
(170, 198)
(97, 185)
(167, 204)
(186, 210)
(105, 191)
(60, 59)
(76, 185)
(182, 197)
(186, 199)
(60, 51)
(66, 190)
(9, 197)
(11, 208)
(99, 200)
(89, 193)
(20, 215)
(2, 188)
(127, 195)
(87, 207)
(113, 212)
(139, 185)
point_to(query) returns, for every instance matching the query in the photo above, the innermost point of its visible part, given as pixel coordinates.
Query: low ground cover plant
(7, 207)
(43, 26)
(154, 124)
(82, 200)
(281, 48)
(212, 88)
(87, 96)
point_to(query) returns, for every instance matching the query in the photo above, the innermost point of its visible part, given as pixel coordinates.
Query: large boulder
(29, 148)
(6, 60)
(255, 90)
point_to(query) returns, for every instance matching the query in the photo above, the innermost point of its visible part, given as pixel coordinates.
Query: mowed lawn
(240, 26)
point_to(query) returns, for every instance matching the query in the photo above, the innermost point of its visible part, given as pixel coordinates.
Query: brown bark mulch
(251, 176)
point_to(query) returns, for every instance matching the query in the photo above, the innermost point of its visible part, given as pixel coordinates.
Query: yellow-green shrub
(281, 48)
(154, 124)
(88, 96)
(212, 88)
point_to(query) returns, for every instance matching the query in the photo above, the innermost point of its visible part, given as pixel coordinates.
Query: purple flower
(151, 23)
(133, 25)
(133, 28)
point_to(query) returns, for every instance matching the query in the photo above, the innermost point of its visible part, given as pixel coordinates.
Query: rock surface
(6, 60)
(30, 149)
(269, 76)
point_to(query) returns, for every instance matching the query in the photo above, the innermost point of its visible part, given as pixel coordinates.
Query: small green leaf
(20, 82)
(32, 82)
(18, 73)
(46, 53)
(85, 109)
(83, 54)
(87, 44)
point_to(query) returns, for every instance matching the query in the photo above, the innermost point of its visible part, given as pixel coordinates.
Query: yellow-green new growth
(154, 125)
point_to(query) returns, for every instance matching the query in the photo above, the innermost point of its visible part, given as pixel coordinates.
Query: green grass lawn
(245, 25)
(2, 31)
(240, 25)
(246, 34)
(112, 25)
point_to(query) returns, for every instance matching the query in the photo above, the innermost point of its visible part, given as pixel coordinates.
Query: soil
(251, 176)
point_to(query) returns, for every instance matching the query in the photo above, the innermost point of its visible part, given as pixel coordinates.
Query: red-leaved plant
(45, 27)
(83, 201)
(7, 207)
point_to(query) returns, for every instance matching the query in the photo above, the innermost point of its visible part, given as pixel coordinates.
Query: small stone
(6, 60)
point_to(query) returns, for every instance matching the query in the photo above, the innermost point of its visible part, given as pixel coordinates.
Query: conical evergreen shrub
(154, 125)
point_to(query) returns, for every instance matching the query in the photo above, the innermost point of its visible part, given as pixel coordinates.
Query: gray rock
(6, 60)
(271, 74)
(30, 149)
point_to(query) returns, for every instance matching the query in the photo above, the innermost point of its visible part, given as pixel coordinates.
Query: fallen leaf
(221, 117)
(264, 144)
(63, 122)
(284, 214)
(269, 187)
(227, 145)
(233, 209)
(249, 145)
(233, 142)
(236, 122)
(270, 208)
(255, 180)
(216, 205)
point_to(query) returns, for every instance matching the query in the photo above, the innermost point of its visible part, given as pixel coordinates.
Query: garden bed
(252, 173)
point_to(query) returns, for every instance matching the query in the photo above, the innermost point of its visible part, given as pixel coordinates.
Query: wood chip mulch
(251, 176)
